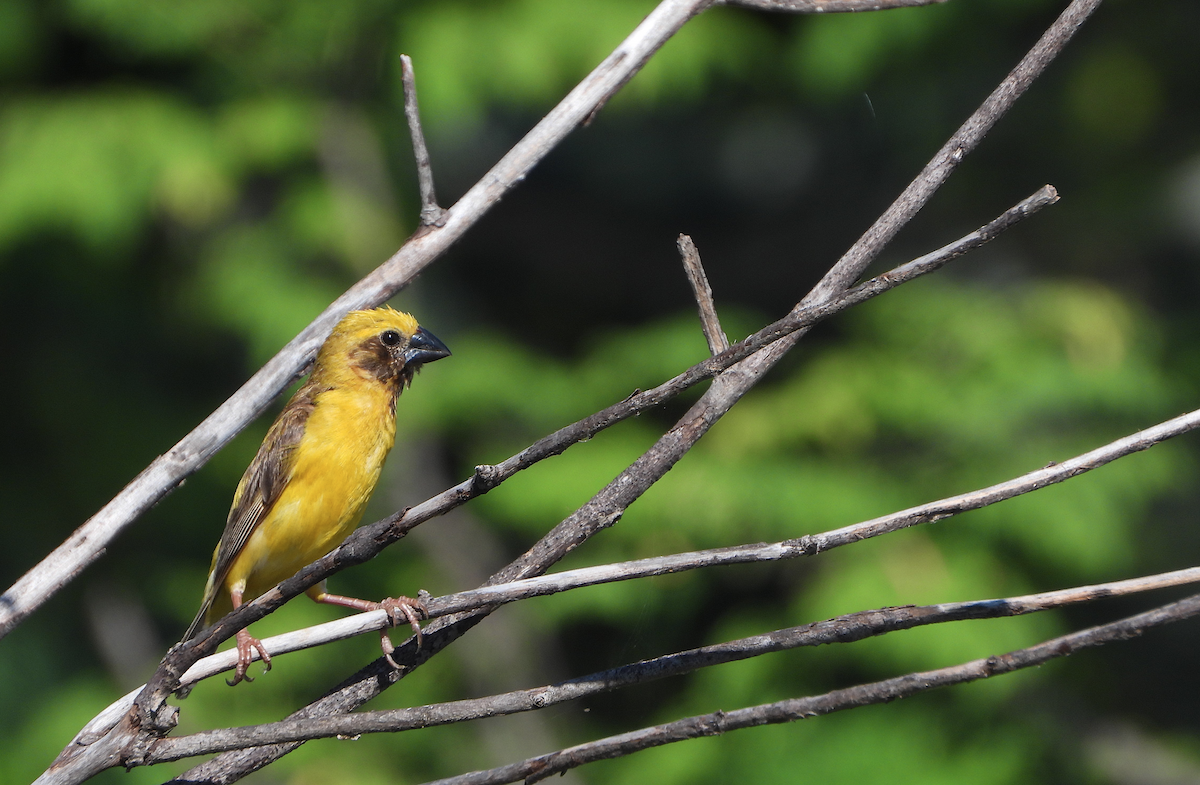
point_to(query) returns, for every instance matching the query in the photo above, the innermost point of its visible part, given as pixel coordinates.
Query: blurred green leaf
(1114, 97)
(142, 152)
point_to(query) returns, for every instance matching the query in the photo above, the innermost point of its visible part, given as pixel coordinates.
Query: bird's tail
(198, 623)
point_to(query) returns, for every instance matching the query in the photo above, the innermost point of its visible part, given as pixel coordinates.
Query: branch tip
(709, 323)
(431, 213)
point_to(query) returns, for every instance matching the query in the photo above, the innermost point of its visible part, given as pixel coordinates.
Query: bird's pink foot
(246, 646)
(397, 608)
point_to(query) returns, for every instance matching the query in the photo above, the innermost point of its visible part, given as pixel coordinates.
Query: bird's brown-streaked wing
(261, 486)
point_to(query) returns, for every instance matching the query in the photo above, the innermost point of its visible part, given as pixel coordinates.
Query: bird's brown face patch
(382, 357)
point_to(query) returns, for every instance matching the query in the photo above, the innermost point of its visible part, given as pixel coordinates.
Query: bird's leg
(396, 607)
(246, 642)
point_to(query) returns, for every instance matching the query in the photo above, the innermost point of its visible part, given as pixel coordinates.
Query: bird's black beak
(424, 347)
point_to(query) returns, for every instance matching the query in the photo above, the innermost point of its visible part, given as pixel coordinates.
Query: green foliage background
(183, 186)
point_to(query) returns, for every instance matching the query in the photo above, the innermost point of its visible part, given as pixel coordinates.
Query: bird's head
(381, 344)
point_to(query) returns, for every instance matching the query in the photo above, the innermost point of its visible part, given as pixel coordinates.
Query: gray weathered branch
(709, 323)
(432, 214)
(842, 629)
(717, 723)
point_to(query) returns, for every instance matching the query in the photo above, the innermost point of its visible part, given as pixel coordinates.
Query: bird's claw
(388, 647)
(397, 608)
(246, 646)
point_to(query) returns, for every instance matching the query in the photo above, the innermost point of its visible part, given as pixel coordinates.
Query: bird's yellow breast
(336, 466)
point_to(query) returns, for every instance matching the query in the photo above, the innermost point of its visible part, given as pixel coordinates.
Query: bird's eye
(390, 338)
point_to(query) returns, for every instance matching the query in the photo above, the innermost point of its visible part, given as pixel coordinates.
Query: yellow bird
(306, 489)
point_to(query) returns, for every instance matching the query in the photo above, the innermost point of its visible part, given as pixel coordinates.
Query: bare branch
(809, 545)
(431, 213)
(717, 340)
(842, 629)
(717, 723)
(165, 473)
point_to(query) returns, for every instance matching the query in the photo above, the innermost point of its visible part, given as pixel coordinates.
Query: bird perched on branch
(306, 489)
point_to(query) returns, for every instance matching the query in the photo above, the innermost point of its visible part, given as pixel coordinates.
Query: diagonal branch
(946, 160)
(842, 629)
(719, 722)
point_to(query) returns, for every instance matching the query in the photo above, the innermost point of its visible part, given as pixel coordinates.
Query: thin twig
(719, 722)
(842, 629)
(431, 213)
(717, 340)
